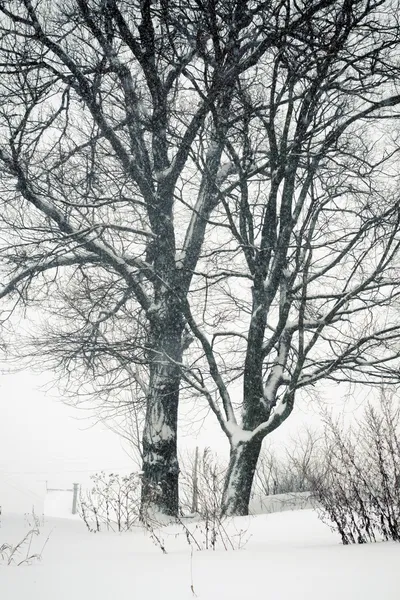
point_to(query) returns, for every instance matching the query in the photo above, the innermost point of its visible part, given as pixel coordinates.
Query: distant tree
(115, 118)
(301, 282)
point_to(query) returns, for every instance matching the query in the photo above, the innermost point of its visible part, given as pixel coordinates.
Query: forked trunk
(239, 478)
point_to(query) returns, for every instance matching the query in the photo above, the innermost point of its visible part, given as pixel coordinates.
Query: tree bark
(160, 493)
(239, 479)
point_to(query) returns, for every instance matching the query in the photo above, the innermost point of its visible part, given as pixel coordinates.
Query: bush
(21, 553)
(201, 484)
(355, 476)
(112, 503)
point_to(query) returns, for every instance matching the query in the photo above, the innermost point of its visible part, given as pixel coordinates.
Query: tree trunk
(239, 478)
(160, 460)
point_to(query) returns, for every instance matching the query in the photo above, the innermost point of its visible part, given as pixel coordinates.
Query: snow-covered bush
(112, 503)
(356, 476)
(22, 553)
(201, 484)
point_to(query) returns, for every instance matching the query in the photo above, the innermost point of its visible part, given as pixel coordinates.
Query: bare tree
(219, 171)
(115, 116)
(301, 283)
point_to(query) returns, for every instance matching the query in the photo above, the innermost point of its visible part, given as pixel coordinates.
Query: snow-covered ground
(289, 555)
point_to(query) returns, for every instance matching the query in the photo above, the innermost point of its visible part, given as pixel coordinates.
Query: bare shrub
(202, 477)
(21, 553)
(112, 503)
(355, 476)
(202, 480)
(214, 532)
(284, 475)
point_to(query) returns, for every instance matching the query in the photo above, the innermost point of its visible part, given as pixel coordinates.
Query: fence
(281, 502)
(61, 502)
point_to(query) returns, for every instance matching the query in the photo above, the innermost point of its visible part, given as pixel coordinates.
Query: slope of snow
(289, 555)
